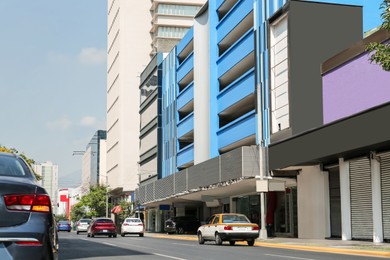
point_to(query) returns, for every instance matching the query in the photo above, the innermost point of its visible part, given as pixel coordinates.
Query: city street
(74, 246)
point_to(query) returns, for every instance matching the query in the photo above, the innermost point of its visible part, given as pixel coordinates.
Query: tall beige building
(49, 173)
(136, 31)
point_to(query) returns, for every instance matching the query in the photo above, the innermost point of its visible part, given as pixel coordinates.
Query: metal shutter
(361, 199)
(385, 187)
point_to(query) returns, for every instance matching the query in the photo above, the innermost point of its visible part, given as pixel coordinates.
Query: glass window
(171, 32)
(148, 88)
(170, 9)
(10, 166)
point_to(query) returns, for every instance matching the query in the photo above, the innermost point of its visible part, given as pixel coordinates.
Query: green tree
(60, 217)
(381, 51)
(95, 201)
(128, 209)
(77, 212)
(28, 160)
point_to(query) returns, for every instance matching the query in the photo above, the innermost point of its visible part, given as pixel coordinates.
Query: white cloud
(88, 121)
(93, 56)
(63, 123)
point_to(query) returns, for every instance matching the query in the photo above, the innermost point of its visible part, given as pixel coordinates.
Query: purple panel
(354, 87)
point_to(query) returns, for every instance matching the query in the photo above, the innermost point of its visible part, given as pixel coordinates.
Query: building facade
(49, 173)
(159, 26)
(90, 171)
(239, 93)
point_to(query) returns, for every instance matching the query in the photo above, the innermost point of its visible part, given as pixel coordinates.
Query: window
(171, 32)
(170, 9)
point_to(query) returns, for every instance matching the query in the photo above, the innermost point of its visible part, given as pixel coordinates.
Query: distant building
(90, 171)
(49, 173)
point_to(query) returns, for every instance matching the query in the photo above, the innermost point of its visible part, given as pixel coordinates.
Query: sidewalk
(317, 245)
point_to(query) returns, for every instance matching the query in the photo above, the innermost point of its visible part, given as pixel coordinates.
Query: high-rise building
(135, 33)
(49, 173)
(90, 173)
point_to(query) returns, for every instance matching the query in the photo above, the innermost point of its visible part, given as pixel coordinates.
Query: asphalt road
(73, 246)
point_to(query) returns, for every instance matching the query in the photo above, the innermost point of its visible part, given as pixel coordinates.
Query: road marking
(108, 244)
(291, 257)
(180, 244)
(167, 256)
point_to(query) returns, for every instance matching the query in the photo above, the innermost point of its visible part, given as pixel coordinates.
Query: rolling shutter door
(361, 199)
(385, 187)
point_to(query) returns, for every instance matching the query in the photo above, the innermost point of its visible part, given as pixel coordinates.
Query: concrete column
(345, 200)
(158, 220)
(376, 200)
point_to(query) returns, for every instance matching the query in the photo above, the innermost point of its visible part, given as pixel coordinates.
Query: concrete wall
(313, 203)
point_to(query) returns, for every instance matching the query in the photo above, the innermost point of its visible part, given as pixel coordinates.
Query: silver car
(27, 225)
(82, 225)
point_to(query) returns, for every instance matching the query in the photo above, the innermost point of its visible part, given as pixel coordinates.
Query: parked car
(64, 225)
(181, 225)
(101, 226)
(27, 225)
(82, 225)
(230, 227)
(132, 226)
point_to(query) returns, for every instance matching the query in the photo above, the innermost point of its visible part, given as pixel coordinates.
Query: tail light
(28, 243)
(227, 228)
(255, 228)
(125, 224)
(28, 202)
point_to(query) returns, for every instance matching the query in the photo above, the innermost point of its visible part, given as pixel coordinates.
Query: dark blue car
(27, 225)
(64, 225)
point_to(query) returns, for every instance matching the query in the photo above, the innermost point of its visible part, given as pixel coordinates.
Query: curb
(323, 249)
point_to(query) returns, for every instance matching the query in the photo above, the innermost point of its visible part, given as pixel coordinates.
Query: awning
(116, 209)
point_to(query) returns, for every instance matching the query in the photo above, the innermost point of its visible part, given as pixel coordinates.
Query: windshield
(10, 166)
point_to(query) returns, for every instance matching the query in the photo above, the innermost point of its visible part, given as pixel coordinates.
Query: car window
(234, 219)
(210, 220)
(104, 221)
(216, 220)
(133, 220)
(10, 166)
(63, 222)
(85, 221)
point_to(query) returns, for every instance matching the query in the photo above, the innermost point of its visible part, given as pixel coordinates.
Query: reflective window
(171, 32)
(148, 88)
(177, 9)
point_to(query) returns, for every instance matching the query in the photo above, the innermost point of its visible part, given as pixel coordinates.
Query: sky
(53, 77)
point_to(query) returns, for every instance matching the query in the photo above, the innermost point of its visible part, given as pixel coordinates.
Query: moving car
(230, 227)
(132, 226)
(181, 224)
(64, 225)
(101, 226)
(82, 225)
(27, 225)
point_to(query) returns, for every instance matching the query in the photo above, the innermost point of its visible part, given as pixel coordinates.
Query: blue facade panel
(186, 96)
(185, 126)
(185, 41)
(233, 18)
(185, 67)
(186, 155)
(238, 90)
(236, 53)
(237, 130)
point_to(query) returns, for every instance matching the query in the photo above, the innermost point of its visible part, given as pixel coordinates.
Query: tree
(78, 212)
(28, 160)
(128, 209)
(94, 201)
(381, 51)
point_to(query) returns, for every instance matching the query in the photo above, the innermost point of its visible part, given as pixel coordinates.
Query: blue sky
(53, 76)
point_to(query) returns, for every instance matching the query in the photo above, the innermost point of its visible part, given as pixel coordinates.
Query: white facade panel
(148, 141)
(149, 114)
(201, 89)
(148, 169)
(280, 118)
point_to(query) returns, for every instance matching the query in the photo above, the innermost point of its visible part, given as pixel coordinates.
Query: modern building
(90, 171)
(346, 158)
(135, 33)
(49, 173)
(242, 82)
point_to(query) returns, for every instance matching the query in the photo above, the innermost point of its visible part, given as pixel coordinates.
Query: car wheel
(218, 239)
(200, 238)
(88, 235)
(114, 235)
(180, 230)
(251, 242)
(141, 234)
(122, 234)
(109, 236)
(92, 235)
(77, 232)
(232, 243)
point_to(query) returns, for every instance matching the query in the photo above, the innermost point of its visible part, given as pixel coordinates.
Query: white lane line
(291, 257)
(168, 256)
(109, 244)
(181, 244)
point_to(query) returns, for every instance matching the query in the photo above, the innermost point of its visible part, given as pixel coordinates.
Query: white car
(132, 226)
(230, 227)
(82, 225)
